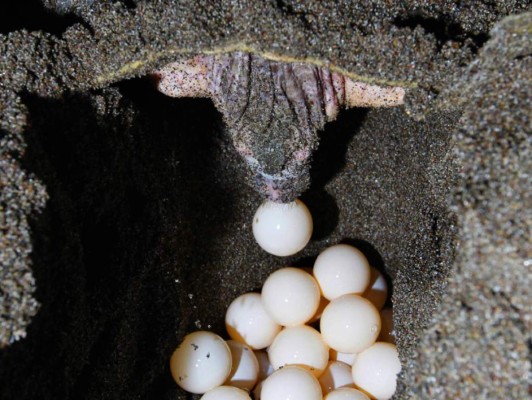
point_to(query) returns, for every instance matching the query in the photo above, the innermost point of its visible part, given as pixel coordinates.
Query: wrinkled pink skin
(190, 78)
(200, 77)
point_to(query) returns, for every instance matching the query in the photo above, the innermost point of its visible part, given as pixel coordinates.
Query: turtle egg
(375, 370)
(282, 229)
(350, 324)
(201, 362)
(302, 346)
(290, 296)
(346, 394)
(336, 375)
(291, 383)
(226, 393)
(245, 369)
(341, 269)
(377, 291)
(247, 321)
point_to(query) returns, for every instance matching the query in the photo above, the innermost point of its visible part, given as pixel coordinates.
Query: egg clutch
(311, 334)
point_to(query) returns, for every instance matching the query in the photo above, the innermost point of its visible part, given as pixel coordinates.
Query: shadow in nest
(122, 171)
(327, 161)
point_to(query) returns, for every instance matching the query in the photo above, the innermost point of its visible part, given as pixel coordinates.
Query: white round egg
(341, 269)
(201, 362)
(350, 324)
(290, 296)
(302, 346)
(377, 291)
(375, 370)
(346, 394)
(265, 366)
(291, 383)
(282, 229)
(245, 366)
(247, 321)
(226, 393)
(336, 375)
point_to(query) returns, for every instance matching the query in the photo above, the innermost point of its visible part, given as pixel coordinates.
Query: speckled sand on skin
(138, 228)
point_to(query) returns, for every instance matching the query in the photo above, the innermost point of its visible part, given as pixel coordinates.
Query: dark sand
(146, 231)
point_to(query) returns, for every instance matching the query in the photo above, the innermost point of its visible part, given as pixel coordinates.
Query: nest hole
(146, 235)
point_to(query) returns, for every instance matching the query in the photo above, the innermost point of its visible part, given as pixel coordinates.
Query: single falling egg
(291, 383)
(341, 269)
(226, 393)
(282, 229)
(201, 362)
(290, 296)
(265, 366)
(387, 333)
(346, 394)
(247, 321)
(350, 324)
(375, 370)
(377, 291)
(302, 346)
(245, 366)
(336, 375)
(347, 358)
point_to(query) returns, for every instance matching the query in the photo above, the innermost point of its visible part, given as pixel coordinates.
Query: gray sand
(145, 233)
